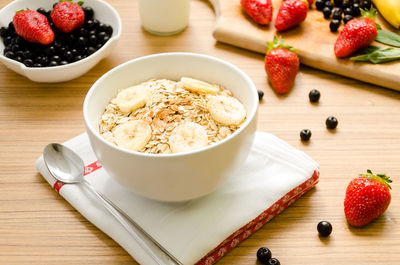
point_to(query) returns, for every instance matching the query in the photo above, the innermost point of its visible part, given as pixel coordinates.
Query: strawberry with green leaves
(367, 197)
(68, 16)
(290, 14)
(33, 27)
(357, 34)
(259, 10)
(281, 65)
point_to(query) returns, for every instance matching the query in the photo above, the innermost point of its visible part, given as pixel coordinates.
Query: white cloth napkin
(202, 230)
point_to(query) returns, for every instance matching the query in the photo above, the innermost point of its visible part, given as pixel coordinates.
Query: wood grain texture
(312, 39)
(38, 227)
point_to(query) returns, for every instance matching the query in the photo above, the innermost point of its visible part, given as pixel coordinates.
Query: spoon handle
(167, 257)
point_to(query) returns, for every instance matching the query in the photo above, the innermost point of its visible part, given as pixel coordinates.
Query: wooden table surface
(38, 227)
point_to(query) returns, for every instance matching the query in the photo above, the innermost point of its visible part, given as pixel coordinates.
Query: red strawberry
(310, 2)
(281, 65)
(290, 14)
(67, 16)
(259, 10)
(356, 34)
(367, 197)
(33, 27)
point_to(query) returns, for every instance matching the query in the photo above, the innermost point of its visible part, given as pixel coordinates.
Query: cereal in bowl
(163, 116)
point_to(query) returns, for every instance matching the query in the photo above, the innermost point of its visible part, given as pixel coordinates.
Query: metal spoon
(66, 166)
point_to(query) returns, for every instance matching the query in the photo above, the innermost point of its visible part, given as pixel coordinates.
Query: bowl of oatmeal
(172, 126)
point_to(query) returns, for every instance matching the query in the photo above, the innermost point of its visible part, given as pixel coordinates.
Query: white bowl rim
(90, 57)
(250, 113)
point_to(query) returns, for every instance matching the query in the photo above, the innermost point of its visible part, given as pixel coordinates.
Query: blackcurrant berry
(366, 5)
(327, 12)
(264, 255)
(320, 4)
(28, 62)
(88, 12)
(324, 228)
(346, 4)
(329, 4)
(356, 9)
(274, 261)
(334, 25)
(305, 135)
(338, 3)
(347, 18)
(260, 94)
(314, 95)
(331, 122)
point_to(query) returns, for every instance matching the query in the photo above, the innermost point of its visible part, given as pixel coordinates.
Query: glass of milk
(164, 17)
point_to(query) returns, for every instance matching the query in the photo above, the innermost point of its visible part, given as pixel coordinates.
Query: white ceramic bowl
(180, 176)
(103, 11)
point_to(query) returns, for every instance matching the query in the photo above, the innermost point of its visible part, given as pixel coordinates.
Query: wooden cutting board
(312, 39)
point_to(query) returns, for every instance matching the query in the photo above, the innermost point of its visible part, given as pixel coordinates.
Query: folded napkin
(203, 230)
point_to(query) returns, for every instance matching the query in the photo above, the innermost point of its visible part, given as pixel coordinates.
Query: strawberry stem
(279, 43)
(379, 177)
(365, 13)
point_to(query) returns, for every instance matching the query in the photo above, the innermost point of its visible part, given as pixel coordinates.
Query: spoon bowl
(63, 163)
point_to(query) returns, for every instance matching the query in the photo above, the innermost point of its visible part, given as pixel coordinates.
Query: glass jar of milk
(164, 17)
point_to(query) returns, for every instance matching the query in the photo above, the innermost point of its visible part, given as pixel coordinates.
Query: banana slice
(188, 136)
(132, 135)
(198, 86)
(132, 98)
(226, 110)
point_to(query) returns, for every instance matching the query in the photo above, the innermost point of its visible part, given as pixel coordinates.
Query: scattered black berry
(320, 4)
(338, 3)
(314, 95)
(348, 11)
(356, 9)
(331, 122)
(324, 228)
(366, 5)
(264, 255)
(274, 261)
(305, 135)
(329, 4)
(337, 13)
(347, 18)
(260, 94)
(334, 25)
(327, 12)
(346, 4)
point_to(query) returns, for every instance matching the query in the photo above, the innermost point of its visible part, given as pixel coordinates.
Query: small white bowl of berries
(49, 41)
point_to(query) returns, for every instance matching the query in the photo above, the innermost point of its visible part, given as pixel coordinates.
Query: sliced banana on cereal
(226, 110)
(188, 136)
(198, 86)
(132, 98)
(132, 135)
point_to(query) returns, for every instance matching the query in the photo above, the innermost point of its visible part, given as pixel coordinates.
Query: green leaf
(380, 55)
(388, 38)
